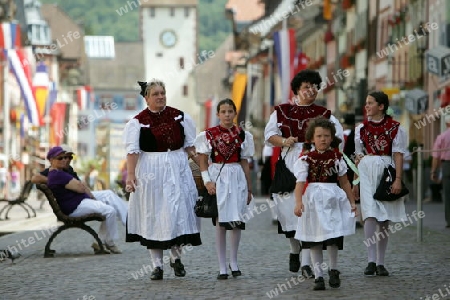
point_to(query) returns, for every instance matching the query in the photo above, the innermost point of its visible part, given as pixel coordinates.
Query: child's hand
(299, 209)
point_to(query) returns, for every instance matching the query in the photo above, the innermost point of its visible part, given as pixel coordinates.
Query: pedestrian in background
(441, 160)
(286, 128)
(326, 211)
(228, 176)
(379, 141)
(161, 215)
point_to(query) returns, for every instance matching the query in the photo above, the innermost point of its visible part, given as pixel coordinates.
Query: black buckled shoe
(222, 276)
(371, 269)
(294, 262)
(381, 271)
(178, 267)
(235, 273)
(157, 274)
(319, 284)
(307, 272)
(334, 281)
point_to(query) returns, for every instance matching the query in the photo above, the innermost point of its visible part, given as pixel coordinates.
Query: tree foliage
(102, 17)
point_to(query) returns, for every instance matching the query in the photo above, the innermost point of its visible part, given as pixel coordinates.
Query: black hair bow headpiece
(143, 85)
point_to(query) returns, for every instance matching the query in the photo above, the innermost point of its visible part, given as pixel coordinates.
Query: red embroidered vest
(295, 118)
(323, 166)
(165, 132)
(226, 143)
(377, 138)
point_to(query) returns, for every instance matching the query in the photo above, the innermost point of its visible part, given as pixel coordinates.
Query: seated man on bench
(75, 200)
(106, 196)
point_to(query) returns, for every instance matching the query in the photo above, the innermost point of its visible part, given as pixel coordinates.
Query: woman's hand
(299, 209)
(211, 187)
(356, 191)
(130, 184)
(249, 197)
(396, 187)
(290, 141)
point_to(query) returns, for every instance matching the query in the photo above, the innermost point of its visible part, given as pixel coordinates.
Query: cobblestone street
(417, 270)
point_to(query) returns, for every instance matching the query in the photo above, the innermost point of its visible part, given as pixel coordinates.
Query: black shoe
(178, 267)
(157, 274)
(235, 273)
(222, 276)
(371, 269)
(294, 262)
(319, 284)
(381, 271)
(307, 272)
(334, 281)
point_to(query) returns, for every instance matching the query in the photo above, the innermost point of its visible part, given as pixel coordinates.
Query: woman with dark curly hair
(379, 141)
(286, 128)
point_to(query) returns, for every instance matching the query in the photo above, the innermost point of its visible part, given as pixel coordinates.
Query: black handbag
(383, 192)
(206, 205)
(284, 180)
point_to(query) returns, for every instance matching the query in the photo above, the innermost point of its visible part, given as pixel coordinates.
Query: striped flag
(40, 86)
(84, 96)
(52, 96)
(9, 35)
(285, 48)
(20, 68)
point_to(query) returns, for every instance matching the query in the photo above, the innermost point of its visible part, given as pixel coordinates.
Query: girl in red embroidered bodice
(378, 137)
(165, 131)
(226, 143)
(295, 118)
(322, 165)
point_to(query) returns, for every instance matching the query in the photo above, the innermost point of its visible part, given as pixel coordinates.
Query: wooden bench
(23, 196)
(69, 222)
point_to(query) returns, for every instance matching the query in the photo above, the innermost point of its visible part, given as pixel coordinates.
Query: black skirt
(288, 234)
(339, 242)
(230, 225)
(182, 240)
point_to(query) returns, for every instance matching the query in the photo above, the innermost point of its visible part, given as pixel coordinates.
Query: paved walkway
(417, 269)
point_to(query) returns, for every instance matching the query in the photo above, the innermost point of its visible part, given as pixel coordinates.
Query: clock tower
(169, 34)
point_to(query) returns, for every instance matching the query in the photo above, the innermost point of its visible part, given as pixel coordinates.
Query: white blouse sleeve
(248, 146)
(271, 129)
(202, 144)
(339, 131)
(131, 136)
(359, 147)
(301, 169)
(342, 167)
(189, 131)
(400, 141)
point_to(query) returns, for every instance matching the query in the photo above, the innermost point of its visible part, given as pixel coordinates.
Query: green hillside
(117, 18)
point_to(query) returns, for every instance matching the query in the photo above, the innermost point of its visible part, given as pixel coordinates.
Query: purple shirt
(67, 199)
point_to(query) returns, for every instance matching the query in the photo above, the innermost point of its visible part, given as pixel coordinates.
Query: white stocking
(221, 246)
(382, 241)
(370, 227)
(295, 246)
(175, 253)
(317, 260)
(332, 256)
(306, 257)
(234, 245)
(157, 257)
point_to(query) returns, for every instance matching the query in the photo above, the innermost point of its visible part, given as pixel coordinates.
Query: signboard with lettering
(438, 61)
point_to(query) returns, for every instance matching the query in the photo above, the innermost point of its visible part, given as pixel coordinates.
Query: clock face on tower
(168, 38)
